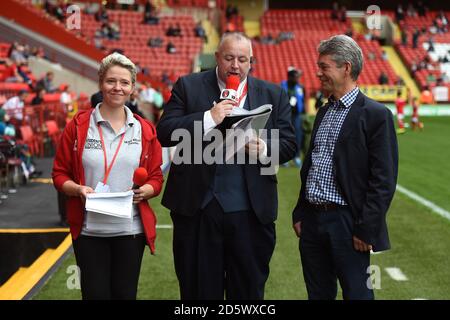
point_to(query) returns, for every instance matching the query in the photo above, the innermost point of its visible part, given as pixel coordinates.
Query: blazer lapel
(352, 117)
(252, 93)
(211, 87)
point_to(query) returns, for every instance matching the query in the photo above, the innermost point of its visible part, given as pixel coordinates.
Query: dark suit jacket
(187, 184)
(366, 163)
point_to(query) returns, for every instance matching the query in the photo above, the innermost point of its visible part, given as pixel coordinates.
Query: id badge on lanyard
(102, 186)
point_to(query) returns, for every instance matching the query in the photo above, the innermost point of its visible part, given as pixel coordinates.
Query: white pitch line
(164, 226)
(396, 274)
(435, 208)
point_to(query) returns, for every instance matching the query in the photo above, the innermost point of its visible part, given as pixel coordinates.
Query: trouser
(109, 266)
(327, 254)
(217, 253)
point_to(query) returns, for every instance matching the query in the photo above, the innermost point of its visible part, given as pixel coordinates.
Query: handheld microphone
(139, 177)
(230, 91)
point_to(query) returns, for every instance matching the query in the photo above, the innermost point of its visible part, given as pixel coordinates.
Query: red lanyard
(108, 169)
(243, 94)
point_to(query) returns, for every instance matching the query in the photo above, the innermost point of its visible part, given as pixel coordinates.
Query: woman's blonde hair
(116, 59)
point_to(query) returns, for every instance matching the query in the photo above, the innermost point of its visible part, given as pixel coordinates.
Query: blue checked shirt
(321, 184)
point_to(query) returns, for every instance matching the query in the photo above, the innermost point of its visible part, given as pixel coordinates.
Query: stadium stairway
(358, 26)
(401, 70)
(32, 242)
(213, 37)
(21, 284)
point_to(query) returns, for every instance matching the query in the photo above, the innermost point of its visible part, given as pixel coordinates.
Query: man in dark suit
(348, 180)
(223, 214)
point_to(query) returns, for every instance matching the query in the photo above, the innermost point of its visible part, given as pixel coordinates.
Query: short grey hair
(116, 59)
(239, 36)
(343, 49)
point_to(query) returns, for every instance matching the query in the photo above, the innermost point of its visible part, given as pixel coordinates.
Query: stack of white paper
(117, 204)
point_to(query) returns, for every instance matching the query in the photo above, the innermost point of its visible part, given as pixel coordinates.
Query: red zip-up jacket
(68, 165)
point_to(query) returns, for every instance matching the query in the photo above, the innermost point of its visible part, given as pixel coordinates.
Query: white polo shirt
(121, 176)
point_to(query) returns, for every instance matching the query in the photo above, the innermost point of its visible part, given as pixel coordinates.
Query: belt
(327, 206)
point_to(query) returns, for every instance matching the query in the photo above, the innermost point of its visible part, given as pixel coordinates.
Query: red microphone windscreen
(233, 82)
(140, 176)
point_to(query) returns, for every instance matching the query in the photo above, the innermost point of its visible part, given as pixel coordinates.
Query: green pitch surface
(420, 238)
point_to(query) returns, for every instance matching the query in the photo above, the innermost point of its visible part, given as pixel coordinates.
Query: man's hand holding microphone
(229, 100)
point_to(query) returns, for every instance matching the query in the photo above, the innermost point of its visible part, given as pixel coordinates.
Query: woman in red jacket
(98, 152)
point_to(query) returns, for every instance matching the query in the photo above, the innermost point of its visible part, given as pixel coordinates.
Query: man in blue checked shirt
(348, 179)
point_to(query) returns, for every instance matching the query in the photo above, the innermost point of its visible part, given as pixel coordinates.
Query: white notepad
(117, 204)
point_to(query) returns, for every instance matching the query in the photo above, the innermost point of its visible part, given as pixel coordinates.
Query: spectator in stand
(150, 14)
(149, 9)
(146, 97)
(371, 55)
(102, 15)
(133, 103)
(335, 11)
(383, 78)
(165, 77)
(414, 67)
(155, 42)
(38, 52)
(23, 74)
(343, 14)
(441, 22)
(426, 63)
(171, 48)
(47, 83)
(200, 32)
(411, 11)
(158, 102)
(17, 54)
(114, 31)
(231, 11)
(6, 128)
(431, 79)
(285, 35)
(404, 36)
(3, 123)
(421, 9)
(10, 73)
(174, 31)
(98, 41)
(39, 97)
(384, 55)
(59, 11)
(14, 106)
(415, 38)
(430, 44)
(399, 81)
(399, 14)
(66, 98)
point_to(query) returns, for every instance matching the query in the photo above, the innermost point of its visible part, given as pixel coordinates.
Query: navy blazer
(366, 165)
(187, 184)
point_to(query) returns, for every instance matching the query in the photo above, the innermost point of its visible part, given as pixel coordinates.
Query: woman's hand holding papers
(83, 192)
